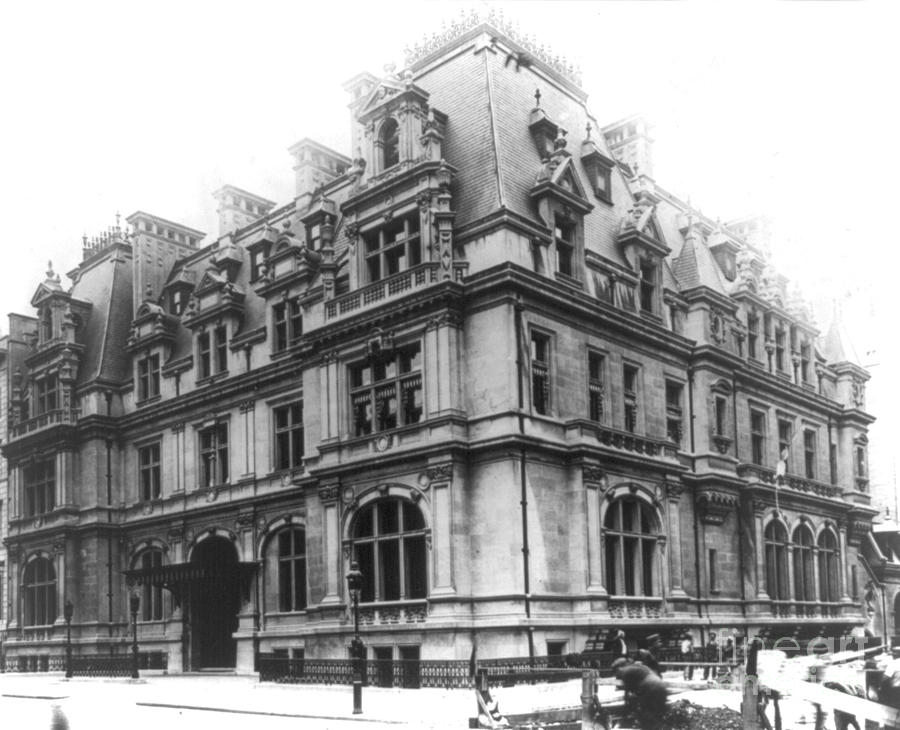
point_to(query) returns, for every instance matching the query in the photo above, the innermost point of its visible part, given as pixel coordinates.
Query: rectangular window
(785, 429)
(595, 386)
(854, 582)
(39, 480)
(212, 348)
(386, 391)
(721, 414)
(214, 455)
(564, 236)
(288, 320)
(257, 261)
(752, 336)
(809, 453)
(713, 571)
(178, 302)
(152, 598)
(758, 437)
(148, 377)
(861, 461)
(630, 387)
(393, 248)
(674, 427)
(648, 286)
(540, 373)
(289, 436)
(832, 462)
(148, 458)
(46, 390)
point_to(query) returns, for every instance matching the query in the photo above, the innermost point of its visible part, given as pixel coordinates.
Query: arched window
(629, 540)
(776, 561)
(151, 590)
(804, 578)
(292, 569)
(389, 136)
(389, 545)
(39, 593)
(829, 585)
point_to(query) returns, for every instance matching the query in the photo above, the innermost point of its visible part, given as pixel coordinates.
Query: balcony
(60, 416)
(764, 475)
(399, 612)
(635, 607)
(418, 277)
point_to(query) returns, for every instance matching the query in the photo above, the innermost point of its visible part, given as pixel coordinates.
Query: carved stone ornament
(441, 472)
(243, 523)
(212, 494)
(715, 506)
(329, 493)
(59, 547)
(593, 474)
(174, 535)
(674, 490)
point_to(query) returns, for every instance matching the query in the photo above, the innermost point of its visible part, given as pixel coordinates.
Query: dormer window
(46, 389)
(393, 248)
(779, 350)
(46, 324)
(752, 336)
(648, 285)
(179, 301)
(564, 237)
(257, 260)
(389, 141)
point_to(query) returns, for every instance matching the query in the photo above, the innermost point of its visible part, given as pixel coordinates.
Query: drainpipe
(738, 512)
(522, 482)
(109, 518)
(690, 376)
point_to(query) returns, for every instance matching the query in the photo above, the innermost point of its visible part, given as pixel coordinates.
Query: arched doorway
(215, 600)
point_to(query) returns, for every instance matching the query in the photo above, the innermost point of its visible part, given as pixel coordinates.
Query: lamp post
(357, 649)
(68, 611)
(134, 603)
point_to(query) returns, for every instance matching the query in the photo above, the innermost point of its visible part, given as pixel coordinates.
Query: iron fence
(87, 665)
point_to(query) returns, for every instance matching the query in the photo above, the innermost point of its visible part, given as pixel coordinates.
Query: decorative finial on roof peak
(587, 130)
(390, 68)
(118, 218)
(50, 274)
(560, 142)
(537, 98)
(148, 292)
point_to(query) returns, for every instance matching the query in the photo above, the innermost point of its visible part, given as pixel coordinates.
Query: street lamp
(134, 603)
(68, 611)
(357, 648)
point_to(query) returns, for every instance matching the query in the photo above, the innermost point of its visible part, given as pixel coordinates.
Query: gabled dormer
(214, 297)
(598, 166)
(644, 251)
(561, 203)
(151, 326)
(60, 320)
(289, 262)
(400, 130)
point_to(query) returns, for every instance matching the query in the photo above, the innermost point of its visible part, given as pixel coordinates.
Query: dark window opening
(393, 248)
(288, 320)
(809, 453)
(148, 458)
(39, 482)
(214, 455)
(540, 373)
(152, 595)
(148, 377)
(289, 436)
(758, 437)
(595, 386)
(630, 384)
(39, 593)
(648, 286)
(389, 137)
(292, 570)
(564, 236)
(386, 391)
(629, 541)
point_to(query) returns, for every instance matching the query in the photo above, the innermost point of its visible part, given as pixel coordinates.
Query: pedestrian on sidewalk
(711, 654)
(687, 650)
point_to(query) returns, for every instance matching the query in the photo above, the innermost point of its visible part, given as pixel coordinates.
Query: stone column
(758, 514)
(59, 564)
(331, 547)
(441, 529)
(248, 413)
(13, 573)
(844, 569)
(673, 496)
(789, 550)
(431, 370)
(816, 557)
(178, 437)
(248, 614)
(595, 482)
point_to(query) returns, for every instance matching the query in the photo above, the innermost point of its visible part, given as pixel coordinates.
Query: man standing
(687, 649)
(649, 657)
(711, 655)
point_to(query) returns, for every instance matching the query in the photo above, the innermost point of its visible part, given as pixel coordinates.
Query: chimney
(629, 142)
(237, 208)
(315, 166)
(359, 88)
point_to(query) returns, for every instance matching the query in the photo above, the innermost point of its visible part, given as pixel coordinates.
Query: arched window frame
(40, 604)
(803, 556)
(829, 562)
(153, 606)
(776, 549)
(376, 552)
(631, 552)
(388, 143)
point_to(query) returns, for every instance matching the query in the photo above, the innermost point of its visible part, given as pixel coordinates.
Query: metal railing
(87, 665)
(50, 418)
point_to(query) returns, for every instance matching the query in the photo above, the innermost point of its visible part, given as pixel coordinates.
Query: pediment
(385, 93)
(559, 179)
(211, 279)
(43, 292)
(565, 177)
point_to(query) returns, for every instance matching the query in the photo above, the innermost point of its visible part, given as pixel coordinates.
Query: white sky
(784, 108)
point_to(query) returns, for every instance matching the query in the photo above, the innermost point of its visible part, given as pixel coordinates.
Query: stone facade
(533, 394)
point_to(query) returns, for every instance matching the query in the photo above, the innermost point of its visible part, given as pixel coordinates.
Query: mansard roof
(695, 266)
(837, 346)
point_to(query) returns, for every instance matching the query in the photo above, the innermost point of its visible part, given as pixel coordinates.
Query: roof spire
(537, 98)
(587, 130)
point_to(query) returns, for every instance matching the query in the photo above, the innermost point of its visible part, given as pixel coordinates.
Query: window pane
(416, 573)
(388, 517)
(389, 563)
(364, 523)
(412, 517)
(365, 557)
(611, 549)
(284, 585)
(299, 584)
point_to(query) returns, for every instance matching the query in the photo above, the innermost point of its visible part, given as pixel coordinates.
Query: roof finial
(148, 292)
(50, 270)
(537, 98)
(118, 218)
(587, 130)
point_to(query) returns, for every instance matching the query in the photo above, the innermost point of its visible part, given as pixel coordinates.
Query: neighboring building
(4, 480)
(531, 392)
